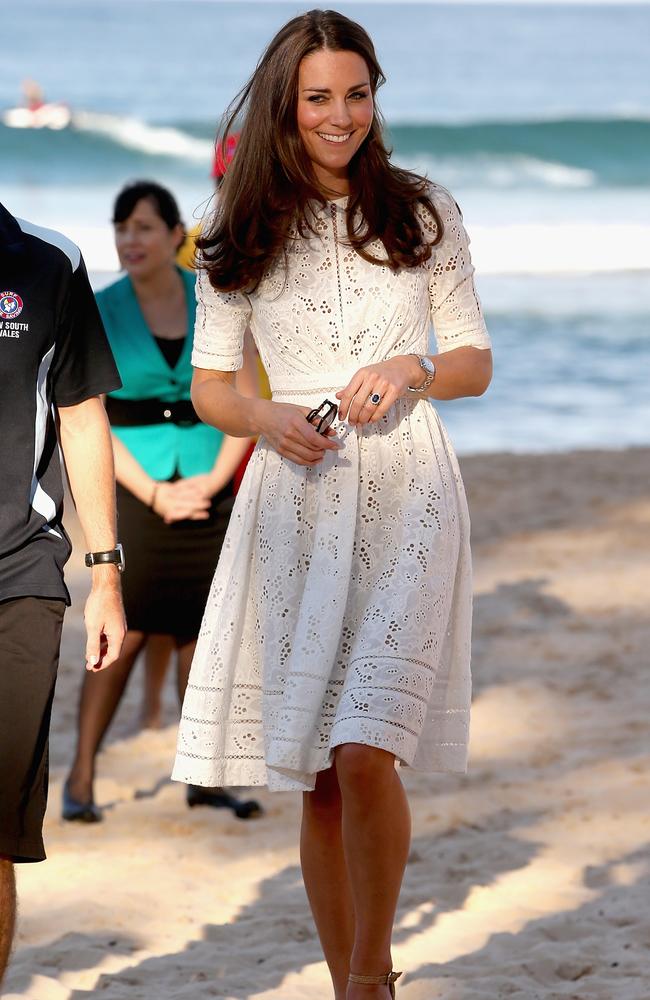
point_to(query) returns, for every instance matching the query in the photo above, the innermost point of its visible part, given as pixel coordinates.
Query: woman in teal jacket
(174, 474)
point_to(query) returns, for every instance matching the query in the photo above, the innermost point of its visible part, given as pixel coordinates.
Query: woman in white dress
(336, 637)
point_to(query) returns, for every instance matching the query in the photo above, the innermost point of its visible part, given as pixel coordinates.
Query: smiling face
(144, 242)
(335, 109)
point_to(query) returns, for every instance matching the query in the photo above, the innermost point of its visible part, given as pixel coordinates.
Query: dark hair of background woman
(162, 200)
(268, 186)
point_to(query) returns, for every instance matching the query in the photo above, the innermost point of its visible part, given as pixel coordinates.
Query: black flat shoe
(79, 812)
(219, 799)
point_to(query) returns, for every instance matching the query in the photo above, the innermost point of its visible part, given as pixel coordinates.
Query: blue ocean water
(537, 116)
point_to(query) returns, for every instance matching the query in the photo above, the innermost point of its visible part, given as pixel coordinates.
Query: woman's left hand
(388, 378)
(201, 486)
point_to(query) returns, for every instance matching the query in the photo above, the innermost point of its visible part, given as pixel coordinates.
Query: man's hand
(85, 439)
(104, 619)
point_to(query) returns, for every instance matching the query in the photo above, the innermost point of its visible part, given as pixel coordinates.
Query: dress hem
(444, 760)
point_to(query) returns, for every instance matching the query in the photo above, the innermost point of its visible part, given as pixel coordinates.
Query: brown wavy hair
(270, 184)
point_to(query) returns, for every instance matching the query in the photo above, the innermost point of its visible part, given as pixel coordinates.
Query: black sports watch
(115, 556)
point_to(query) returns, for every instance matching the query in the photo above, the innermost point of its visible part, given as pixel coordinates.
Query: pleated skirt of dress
(340, 612)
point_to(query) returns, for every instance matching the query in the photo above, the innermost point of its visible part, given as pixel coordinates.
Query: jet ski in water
(54, 116)
(36, 112)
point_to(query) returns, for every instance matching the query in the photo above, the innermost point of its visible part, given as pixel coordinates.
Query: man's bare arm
(85, 439)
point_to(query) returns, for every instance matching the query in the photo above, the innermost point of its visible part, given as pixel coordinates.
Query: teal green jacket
(161, 449)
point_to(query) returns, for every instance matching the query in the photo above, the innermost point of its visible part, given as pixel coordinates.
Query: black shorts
(30, 636)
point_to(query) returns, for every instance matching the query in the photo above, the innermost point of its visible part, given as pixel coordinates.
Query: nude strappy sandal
(388, 980)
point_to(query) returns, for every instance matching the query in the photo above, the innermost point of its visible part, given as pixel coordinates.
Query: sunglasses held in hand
(322, 417)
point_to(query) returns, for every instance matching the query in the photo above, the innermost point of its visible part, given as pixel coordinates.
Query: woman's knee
(326, 797)
(361, 767)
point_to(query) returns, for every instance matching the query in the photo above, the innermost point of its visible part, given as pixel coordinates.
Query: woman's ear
(179, 233)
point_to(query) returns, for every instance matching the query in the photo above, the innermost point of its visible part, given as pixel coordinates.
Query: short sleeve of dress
(221, 320)
(456, 311)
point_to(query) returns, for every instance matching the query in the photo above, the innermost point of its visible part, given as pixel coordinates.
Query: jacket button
(167, 414)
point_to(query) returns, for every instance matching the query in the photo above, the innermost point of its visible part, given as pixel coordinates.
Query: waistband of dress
(311, 388)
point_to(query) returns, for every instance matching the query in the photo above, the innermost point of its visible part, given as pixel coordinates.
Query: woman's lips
(333, 138)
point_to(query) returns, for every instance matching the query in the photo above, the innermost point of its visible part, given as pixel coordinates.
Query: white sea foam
(561, 248)
(156, 140)
(500, 170)
(97, 246)
(553, 174)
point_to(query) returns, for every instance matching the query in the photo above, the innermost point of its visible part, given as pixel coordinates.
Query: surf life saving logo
(11, 305)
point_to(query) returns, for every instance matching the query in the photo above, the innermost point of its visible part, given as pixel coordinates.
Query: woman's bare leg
(376, 837)
(8, 907)
(100, 695)
(157, 655)
(325, 876)
(184, 653)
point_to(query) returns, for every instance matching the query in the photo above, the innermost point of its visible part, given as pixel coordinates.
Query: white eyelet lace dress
(340, 610)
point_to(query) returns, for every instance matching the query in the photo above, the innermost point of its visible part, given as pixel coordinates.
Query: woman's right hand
(285, 428)
(173, 502)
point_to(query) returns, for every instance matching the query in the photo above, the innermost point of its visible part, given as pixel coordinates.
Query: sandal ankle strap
(385, 980)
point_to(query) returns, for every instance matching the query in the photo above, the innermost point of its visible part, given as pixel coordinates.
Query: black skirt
(169, 567)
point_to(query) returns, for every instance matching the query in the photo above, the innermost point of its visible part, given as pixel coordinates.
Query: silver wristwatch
(428, 367)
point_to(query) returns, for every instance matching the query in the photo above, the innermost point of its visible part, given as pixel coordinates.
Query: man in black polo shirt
(54, 364)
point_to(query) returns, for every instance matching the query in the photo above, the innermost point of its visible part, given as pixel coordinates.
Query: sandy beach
(527, 877)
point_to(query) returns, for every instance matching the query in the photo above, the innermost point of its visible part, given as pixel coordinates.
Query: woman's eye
(358, 95)
(316, 98)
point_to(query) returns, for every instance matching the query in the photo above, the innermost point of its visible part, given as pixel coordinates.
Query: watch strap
(429, 375)
(114, 556)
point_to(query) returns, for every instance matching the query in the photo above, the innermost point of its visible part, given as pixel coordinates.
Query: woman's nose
(340, 114)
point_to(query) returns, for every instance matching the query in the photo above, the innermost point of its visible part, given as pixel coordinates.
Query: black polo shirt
(53, 352)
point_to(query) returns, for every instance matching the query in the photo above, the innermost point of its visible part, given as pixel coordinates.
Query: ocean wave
(555, 154)
(154, 140)
(499, 171)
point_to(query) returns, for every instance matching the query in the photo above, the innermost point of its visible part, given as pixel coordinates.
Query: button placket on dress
(335, 236)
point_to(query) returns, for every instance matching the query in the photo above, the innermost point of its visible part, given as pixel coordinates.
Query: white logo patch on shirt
(11, 306)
